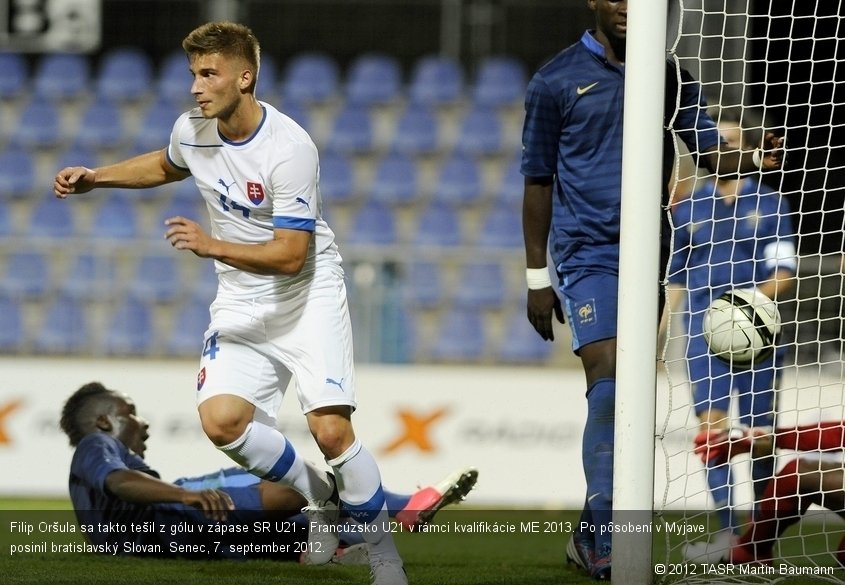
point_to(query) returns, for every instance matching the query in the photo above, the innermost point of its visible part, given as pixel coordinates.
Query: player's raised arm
(146, 170)
(727, 162)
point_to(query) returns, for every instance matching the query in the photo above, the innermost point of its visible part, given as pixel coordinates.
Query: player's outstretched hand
(774, 152)
(541, 304)
(73, 180)
(719, 446)
(215, 504)
(185, 234)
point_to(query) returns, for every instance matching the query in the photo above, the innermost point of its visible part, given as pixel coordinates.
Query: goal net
(763, 67)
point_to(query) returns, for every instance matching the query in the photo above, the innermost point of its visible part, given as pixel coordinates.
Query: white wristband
(537, 278)
(757, 158)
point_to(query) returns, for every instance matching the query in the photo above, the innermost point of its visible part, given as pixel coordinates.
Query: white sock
(265, 452)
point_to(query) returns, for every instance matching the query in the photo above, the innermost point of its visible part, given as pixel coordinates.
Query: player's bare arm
(285, 254)
(727, 162)
(140, 172)
(140, 488)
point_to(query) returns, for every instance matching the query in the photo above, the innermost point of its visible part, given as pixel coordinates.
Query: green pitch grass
(481, 557)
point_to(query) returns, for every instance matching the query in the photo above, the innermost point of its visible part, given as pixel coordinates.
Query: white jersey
(269, 181)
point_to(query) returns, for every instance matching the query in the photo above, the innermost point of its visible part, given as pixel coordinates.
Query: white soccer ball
(740, 327)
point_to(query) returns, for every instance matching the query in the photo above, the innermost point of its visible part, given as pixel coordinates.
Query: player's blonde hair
(226, 38)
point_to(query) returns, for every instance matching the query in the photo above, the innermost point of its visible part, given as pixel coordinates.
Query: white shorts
(253, 347)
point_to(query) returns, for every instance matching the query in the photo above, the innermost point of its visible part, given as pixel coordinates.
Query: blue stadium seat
(115, 218)
(12, 330)
(460, 336)
(501, 228)
(203, 288)
(511, 187)
(65, 328)
(417, 132)
(130, 329)
(76, 156)
(482, 285)
(26, 275)
(352, 131)
(186, 190)
(438, 225)
(373, 79)
(17, 174)
(520, 343)
(173, 81)
(298, 113)
(436, 81)
(480, 133)
(458, 182)
(395, 180)
(52, 218)
(374, 223)
(101, 127)
(193, 209)
(310, 78)
(268, 77)
(14, 75)
(124, 74)
(337, 178)
(39, 127)
(6, 227)
(500, 81)
(422, 285)
(155, 127)
(91, 277)
(156, 278)
(62, 77)
(185, 337)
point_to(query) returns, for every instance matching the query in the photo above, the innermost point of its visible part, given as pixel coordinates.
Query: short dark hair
(80, 412)
(227, 38)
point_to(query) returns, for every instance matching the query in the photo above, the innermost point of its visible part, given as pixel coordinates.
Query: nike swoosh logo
(582, 90)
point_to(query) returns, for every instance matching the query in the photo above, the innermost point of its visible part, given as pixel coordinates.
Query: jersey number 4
(232, 206)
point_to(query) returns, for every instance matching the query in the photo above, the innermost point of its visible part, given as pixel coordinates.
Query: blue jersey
(720, 245)
(573, 131)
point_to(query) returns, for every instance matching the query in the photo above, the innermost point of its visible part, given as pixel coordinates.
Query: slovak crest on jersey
(255, 192)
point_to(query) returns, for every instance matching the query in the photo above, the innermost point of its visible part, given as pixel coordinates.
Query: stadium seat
(26, 275)
(436, 81)
(458, 182)
(64, 329)
(373, 79)
(124, 74)
(188, 325)
(500, 81)
(90, 277)
(422, 285)
(268, 77)
(173, 81)
(438, 225)
(520, 343)
(115, 218)
(373, 223)
(193, 209)
(460, 336)
(39, 127)
(14, 75)
(298, 113)
(6, 227)
(52, 218)
(203, 288)
(130, 329)
(482, 286)
(75, 156)
(12, 329)
(100, 127)
(62, 77)
(352, 131)
(511, 186)
(310, 78)
(17, 174)
(155, 279)
(480, 133)
(395, 180)
(501, 228)
(337, 178)
(416, 132)
(155, 127)
(186, 190)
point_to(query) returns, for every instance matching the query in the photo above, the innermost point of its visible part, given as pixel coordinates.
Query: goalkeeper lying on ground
(227, 514)
(816, 476)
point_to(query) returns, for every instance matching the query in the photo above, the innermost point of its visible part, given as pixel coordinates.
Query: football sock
(362, 496)
(395, 502)
(265, 452)
(597, 455)
(720, 484)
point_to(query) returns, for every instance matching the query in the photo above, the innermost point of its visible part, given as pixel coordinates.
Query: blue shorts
(591, 303)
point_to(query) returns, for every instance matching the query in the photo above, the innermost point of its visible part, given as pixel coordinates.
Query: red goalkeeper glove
(719, 446)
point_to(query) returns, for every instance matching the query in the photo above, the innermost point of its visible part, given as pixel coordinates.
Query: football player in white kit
(281, 308)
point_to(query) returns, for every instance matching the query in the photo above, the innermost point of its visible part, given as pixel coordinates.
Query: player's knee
(333, 436)
(223, 428)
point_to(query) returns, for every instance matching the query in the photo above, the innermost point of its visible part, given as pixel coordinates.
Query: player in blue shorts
(741, 238)
(111, 483)
(572, 163)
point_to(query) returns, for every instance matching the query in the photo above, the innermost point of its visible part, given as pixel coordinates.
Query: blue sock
(597, 454)
(719, 481)
(395, 502)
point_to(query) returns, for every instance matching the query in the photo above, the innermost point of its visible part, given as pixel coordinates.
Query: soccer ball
(740, 327)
